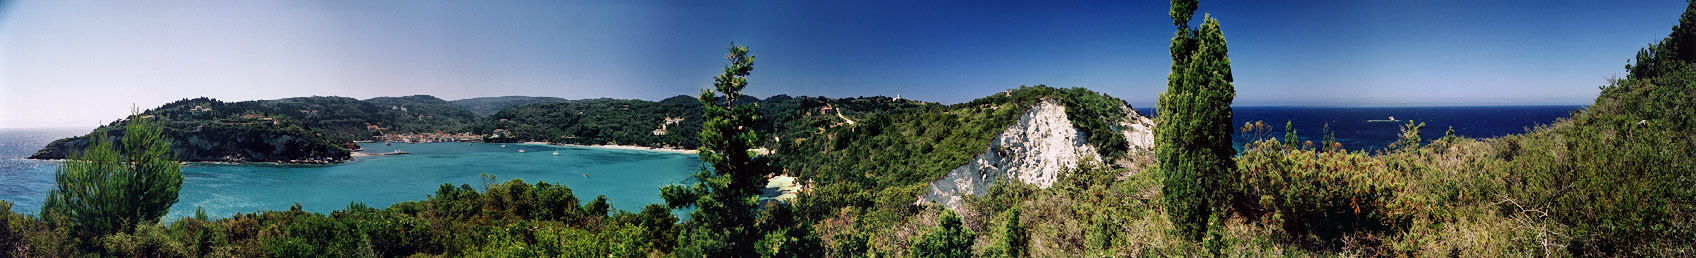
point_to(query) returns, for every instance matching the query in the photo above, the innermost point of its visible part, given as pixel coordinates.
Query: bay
(629, 178)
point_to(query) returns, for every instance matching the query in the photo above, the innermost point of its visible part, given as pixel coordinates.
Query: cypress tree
(1192, 138)
(726, 188)
(103, 190)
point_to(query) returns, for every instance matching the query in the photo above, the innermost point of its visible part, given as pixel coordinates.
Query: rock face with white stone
(1036, 150)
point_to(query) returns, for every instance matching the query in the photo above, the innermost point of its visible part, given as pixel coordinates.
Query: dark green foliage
(597, 121)
(11, 237)
(208, 130)
(785, 234)
(947, 239)
(1099, 116)
(852, 245)
(1193, 141)
(597, 208)
(486, 106)
(424, 114)
(100, 191)
(306, 129)
(1670, 56)
(722, 224)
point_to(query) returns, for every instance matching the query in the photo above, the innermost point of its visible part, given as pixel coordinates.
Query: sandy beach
(621, 147)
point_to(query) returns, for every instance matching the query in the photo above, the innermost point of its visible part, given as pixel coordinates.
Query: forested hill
(486, 106)
(204, 129)
(425, 113)
(638, 122)
(302, 129)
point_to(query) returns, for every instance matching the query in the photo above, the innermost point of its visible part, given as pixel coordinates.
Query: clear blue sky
(76, 63)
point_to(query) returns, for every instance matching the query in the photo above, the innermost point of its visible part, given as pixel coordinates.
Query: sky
(80, 63)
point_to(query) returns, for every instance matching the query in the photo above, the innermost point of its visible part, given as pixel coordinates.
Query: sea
(1365, 128)
(629, 178)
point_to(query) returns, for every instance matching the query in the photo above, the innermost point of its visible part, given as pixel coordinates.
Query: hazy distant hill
(485, 106)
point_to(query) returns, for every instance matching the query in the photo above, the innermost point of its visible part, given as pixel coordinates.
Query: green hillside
(204, 129)
(424, 113)
(486, 106)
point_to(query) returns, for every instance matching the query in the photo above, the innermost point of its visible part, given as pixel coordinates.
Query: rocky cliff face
(1036, 149)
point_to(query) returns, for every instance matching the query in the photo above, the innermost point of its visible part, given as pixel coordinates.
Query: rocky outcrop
(1036, 150)
(1138, 131)
(223, 144)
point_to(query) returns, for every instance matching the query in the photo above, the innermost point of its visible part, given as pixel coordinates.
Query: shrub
(1318, 194)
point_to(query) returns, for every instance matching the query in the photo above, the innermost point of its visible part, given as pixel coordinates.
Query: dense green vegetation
(485, 106)
(205, 129)
(424, 114)
(346, 119)
(1193, 144)
(597, 121)
(292, 130)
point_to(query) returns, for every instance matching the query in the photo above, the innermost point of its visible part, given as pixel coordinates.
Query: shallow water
(629, 178)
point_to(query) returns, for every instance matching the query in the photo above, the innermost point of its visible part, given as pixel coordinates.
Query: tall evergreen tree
(103, 190)
(1192, 138)
(726, 191)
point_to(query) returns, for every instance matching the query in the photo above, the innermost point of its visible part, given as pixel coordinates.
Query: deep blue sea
(629, 178)
(1352, 129)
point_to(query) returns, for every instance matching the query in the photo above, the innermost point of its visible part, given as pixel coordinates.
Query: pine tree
(726, 188)
(1193, 143)
(109, 189)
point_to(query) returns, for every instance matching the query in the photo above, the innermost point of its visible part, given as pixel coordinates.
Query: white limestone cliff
(1036, 150)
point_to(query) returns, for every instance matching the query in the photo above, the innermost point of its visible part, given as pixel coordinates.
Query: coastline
(620, 147)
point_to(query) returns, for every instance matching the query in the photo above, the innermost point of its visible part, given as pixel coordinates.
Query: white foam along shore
(620, 147)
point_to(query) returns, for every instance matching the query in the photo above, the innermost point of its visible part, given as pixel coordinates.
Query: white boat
(556, 152)
(503, 145)
(520, 150)
(1392, 119)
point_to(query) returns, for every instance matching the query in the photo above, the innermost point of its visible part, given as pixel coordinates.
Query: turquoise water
(629, 178)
